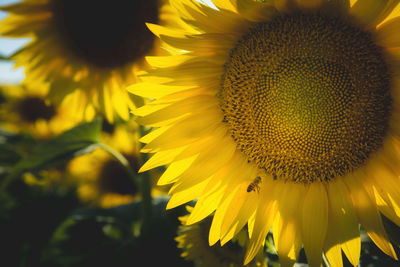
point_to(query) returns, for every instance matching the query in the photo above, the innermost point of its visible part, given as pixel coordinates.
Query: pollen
(307, 97)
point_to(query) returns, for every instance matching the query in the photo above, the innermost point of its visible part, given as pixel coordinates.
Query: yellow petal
(105, 102)
(368, 215)
(256, 11)
(315, 222)
(388, 34)
(155, 91)
(206, 164)
(263, 220)
(187, 195)
(181, 6)
(205, 205)
(186, 131)
(286, 229)
(229, 175)
(175, 169)
(200, 145)
(150, 108)
(343, 218)
(168, 61)
(162, 30)
(386, 191)
(215, 230)
(223, 4)
(161, 158)
(390, 7)
(240, 209)
(334, 253)
(203, 44)
(152, 135)
(210, 20)
(395, 13)
(193, 104)
(386, 204)
(372, 12)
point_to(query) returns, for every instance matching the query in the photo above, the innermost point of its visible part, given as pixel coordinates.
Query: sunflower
(281, 115)
(193, 240)
(24, 109)
(101, 179)
(86, 51)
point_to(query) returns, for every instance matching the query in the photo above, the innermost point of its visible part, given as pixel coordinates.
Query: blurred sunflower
(101, 179)
(193, 240)
(87, 51)
(24, 109)
(282, 115)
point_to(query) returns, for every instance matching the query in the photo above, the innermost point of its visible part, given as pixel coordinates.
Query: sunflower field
(219, 133)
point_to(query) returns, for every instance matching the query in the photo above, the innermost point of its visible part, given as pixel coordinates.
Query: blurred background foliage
(44, 221)
(70, 194)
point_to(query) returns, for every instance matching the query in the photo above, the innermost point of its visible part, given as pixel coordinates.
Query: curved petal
(187, 195)
(205, 205)
(175, 169)
(167, 115)
(371, 12)
(344, 221)
(224, 4)
(240, 204)
(155, 91)
(161, 158)
(206, 164)
(215, 230)
(388, 34)
(186, 131)
(368, 215)
(286, 228)
(256, 11)
(263, 220)
(314, 222)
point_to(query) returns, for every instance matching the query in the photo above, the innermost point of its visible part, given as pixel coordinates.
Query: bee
(255, 185)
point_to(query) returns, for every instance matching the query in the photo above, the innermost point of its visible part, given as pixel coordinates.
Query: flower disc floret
(306, 97)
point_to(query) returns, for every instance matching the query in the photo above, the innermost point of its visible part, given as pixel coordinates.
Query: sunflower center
(115, 179)
(31, 109)
(106, 34)
(307, 97)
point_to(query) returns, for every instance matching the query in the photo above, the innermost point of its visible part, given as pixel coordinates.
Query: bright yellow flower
(193, 241)
(101, 179)
(86, 50)
(25, 109)
(282, 115)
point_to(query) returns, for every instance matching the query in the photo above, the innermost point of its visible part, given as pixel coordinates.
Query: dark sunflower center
(31, 109)
(115, 179)
(107, 34)
(307, 97)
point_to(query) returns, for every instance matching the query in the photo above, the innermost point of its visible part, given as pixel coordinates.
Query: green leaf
(8, 155)
(79, 140)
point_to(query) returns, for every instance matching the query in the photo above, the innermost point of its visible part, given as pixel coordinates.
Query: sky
(8, 46)
(9, 75)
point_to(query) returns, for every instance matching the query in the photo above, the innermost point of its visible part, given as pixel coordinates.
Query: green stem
(145, 182)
